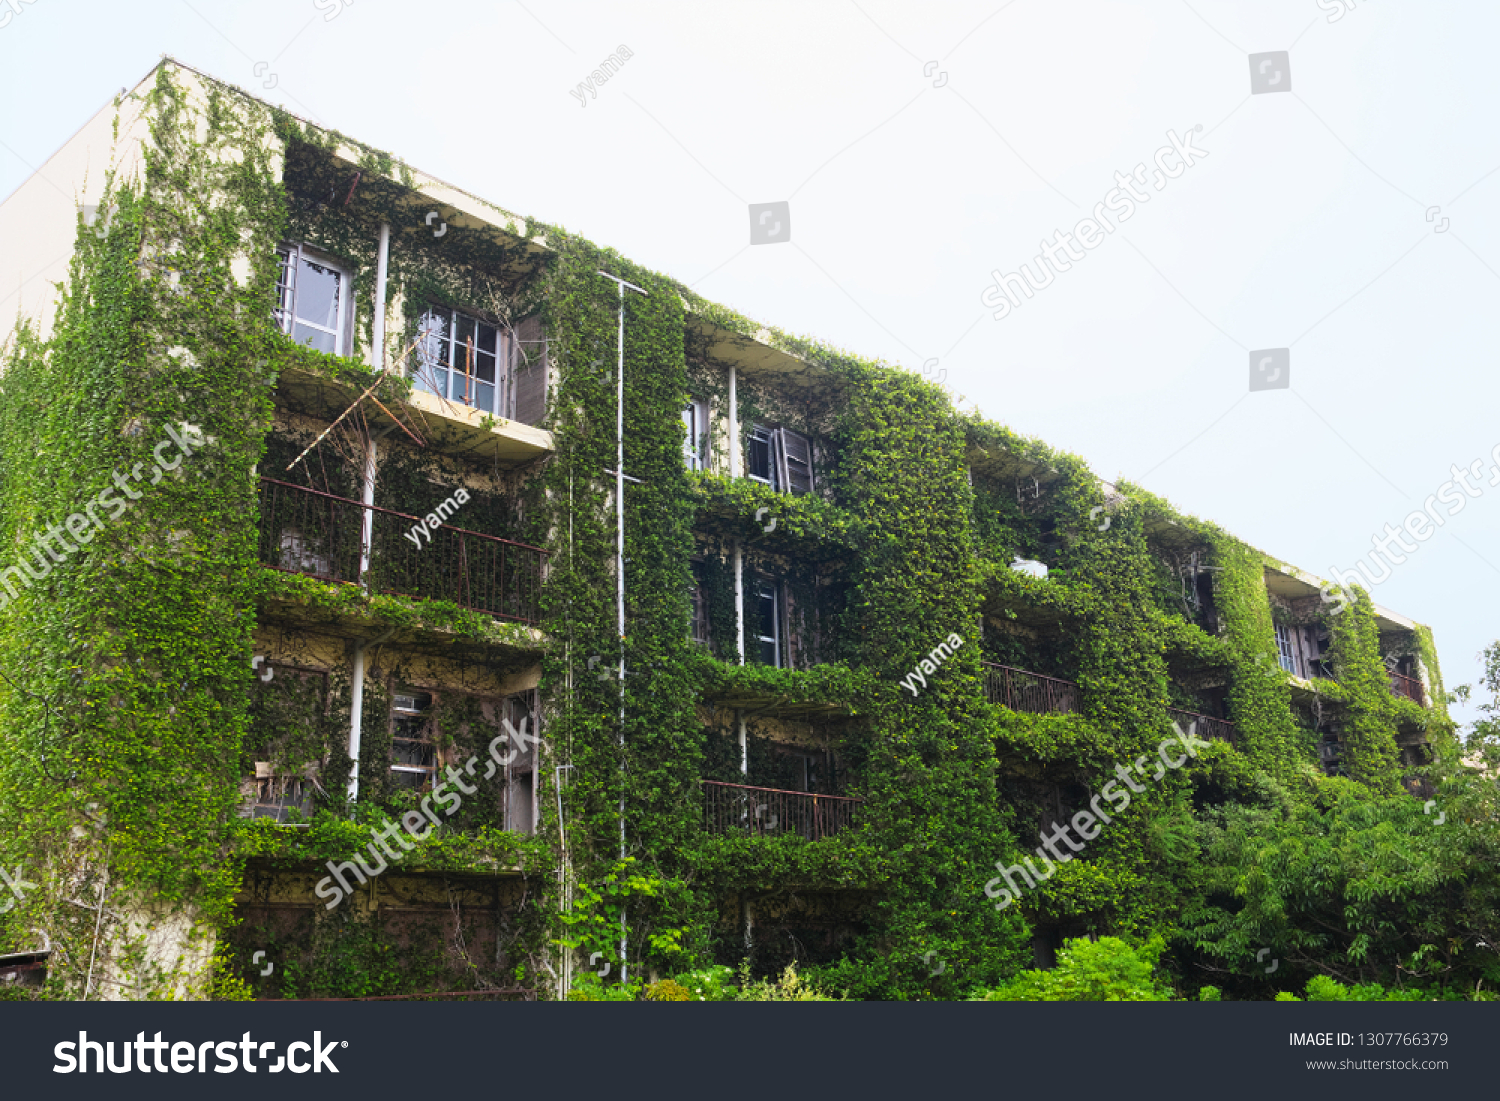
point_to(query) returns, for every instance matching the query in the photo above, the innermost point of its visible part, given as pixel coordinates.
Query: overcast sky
(1346, 213)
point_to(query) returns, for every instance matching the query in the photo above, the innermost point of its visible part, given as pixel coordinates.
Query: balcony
(1409, 688)
(1022, 691)
(314, 533)
(1207, 727)
(274, 795)
(766, 812)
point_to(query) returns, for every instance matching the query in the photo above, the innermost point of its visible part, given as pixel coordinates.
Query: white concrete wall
(38, 221)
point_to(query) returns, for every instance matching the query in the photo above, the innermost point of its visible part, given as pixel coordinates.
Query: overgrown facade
(340, 691)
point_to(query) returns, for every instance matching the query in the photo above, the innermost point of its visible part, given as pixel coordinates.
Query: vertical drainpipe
(376, 361)
(735, 460)
(620, 584)
(734, 426)
(739, 622)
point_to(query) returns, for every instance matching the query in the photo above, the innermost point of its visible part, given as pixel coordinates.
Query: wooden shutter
(520, 779)
(529, 371)
(792, 648)
(793, 462)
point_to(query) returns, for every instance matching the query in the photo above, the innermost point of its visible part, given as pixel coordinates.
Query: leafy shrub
(709, 984)
(1320, 988)
(588, 987)
(1106, 970)
(668, 990)
(791, 987)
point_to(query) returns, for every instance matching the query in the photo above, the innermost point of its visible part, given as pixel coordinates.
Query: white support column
(377, 326)
(739, 601)
(356, 709)
(736, 462)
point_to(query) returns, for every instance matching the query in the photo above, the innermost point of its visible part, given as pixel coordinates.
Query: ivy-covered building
(340, 689)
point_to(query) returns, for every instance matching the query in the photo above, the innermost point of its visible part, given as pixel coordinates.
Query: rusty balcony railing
(272, 795)
(1208, 728)
(1022, 691)
(766, 812)
(1408, 687)
(315, 533)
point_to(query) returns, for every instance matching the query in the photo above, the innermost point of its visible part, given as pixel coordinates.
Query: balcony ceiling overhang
(442, 425)
(1290, 583)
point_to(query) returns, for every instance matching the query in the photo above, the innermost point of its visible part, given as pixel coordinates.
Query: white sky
(1305, 227)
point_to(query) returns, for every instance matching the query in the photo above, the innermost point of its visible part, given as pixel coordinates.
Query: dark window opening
(761, 467)
(413, 752)
(767, 622)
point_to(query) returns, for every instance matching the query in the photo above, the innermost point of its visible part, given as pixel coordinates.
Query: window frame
(504, 400)
(789, 460)
(1286, 650)
(519, 775)
(696, 448)
(287, 790)
(428, 716)
(290, 255)
(698, 633)
(784, 459)
(759, 433)
(769, 587)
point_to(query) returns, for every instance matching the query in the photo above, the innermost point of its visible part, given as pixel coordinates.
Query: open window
(413, 747)
(520, 774)
(695, 446)
(780, 458)
(313, 306)
(464, 360)
(285, 702)
(765, 620)
(469, 727)
(1285, 652)
(698, 632)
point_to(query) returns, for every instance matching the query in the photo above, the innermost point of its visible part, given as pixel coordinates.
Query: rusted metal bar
(764, 812)
(311, 532)
(1206, 726)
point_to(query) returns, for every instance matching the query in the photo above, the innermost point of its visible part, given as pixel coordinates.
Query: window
(462, 359)
(781, 459)
(699, 630)
(312, 300)
(413, 752)
(766, 621)
(285, 700)
(470, 725)
(695, 447)
(1286, 651)
(795, 456)
(520, 774)
(762, 448)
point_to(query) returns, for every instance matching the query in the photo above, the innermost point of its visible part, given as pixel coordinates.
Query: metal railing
(315, 533)
(273, 796)
(766, 812)
(1208, 728)
(1408, 687)
(1022, 691)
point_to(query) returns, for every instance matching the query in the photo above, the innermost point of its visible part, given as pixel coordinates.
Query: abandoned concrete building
(512, 612)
